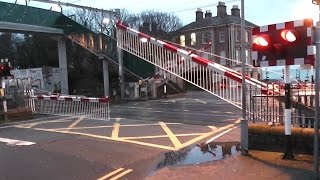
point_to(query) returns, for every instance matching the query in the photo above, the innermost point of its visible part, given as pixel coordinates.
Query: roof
(215, 21)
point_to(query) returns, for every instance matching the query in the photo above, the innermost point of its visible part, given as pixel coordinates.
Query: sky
(259, 12)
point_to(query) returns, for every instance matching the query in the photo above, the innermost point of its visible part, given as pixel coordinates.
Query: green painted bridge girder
(22, 14)
(15, 13)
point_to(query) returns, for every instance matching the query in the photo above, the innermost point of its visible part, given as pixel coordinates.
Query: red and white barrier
(186, 55)
(71, 98)
(93, 108)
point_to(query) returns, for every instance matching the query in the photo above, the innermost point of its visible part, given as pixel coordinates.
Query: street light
(106, 21)
(244, 121)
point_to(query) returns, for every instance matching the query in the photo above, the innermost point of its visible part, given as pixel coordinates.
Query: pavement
(257, 165)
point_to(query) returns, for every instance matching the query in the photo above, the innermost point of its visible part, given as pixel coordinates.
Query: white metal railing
(218, 80)
(93, 108)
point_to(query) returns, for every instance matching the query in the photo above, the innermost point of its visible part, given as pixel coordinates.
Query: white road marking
(203, 102)
(14, 142)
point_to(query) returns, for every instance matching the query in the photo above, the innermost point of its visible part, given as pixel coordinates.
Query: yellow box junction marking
(133, 140)
(121, 174)
(115, 131)
(76, 122)
(114, 173)
(31, 125)
(172, 137)
(126, 125)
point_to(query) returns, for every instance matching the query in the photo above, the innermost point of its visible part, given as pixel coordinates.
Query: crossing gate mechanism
(93, 108)
(264, 102)
(212, 77)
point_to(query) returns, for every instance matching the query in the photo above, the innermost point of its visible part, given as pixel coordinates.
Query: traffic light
(281, 44)
(5, 69)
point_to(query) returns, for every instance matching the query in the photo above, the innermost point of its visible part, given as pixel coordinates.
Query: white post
(5, 108)
(287, 115)
(165, 85)
(63, 65)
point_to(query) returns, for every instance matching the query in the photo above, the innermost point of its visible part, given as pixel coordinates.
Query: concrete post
(105, 66)
(106, 78)
(63, 65)
(121, 75)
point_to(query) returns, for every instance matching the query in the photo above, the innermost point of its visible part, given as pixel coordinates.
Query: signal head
(289, 35)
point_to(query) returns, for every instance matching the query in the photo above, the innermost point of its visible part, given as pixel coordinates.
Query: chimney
(221, 9)
(208, 14)
(235, 11)
(199, 14)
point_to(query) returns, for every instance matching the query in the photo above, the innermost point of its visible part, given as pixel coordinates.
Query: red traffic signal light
(5, 70)
(262, 40)
(287, 43)
(289, 35)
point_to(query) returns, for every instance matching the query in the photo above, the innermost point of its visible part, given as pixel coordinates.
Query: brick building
(218, 34)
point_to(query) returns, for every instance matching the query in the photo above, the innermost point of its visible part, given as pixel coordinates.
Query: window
(182, 40)
(238, 54)
(247, 36)
(223, 60)
(247, 56)
(205, 38)
(238, 35)
(193, 39)
(221, 37)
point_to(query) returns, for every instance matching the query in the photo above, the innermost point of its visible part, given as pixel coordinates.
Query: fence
(94, 108)
(270, 107)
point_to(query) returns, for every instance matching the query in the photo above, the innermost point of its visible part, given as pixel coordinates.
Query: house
(218, 35)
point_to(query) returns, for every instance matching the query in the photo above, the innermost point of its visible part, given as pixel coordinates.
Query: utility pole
(244, 121)
(316, 86)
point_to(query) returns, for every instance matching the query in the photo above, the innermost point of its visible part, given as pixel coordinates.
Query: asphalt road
(127, 147)
(197, 107)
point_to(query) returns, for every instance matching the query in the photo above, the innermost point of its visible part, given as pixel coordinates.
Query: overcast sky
(260, 12)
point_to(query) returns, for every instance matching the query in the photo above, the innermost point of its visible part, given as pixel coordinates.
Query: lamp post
(244, 121)
(316, 84)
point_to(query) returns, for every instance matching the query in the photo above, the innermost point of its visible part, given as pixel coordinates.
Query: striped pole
(287, 115)
(165, 84)
(5, 108)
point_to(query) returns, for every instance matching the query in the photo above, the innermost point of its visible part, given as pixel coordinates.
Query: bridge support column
(121, 75)
(106, 78)
(105, 66)
(63, 65)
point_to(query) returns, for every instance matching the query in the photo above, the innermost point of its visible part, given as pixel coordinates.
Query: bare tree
(160, 21)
